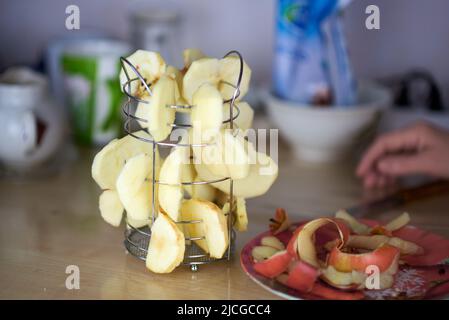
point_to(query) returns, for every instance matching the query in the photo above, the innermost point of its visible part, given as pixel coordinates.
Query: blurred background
(412, 45)
(413, 33)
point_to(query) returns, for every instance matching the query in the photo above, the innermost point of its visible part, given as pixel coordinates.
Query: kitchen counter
(49, 224)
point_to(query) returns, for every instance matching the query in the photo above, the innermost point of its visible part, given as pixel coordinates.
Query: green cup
(92, 89)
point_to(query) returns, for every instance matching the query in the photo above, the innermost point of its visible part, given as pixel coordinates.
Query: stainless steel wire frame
(137, 239)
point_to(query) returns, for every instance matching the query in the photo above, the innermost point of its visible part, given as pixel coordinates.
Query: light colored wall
(414, 33)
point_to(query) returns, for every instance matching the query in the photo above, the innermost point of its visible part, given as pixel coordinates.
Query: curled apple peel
(274, 265)
(292, 243)
(305, 246)
(383, 257)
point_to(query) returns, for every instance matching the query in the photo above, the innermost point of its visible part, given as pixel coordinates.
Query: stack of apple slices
(123, 170)
(344, 262)
(183, 194)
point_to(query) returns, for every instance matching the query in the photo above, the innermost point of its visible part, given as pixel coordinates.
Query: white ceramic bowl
(325, 134)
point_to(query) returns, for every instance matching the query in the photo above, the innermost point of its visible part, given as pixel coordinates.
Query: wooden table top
(51, 223)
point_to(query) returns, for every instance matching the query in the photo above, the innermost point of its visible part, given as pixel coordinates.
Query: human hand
(418, 149)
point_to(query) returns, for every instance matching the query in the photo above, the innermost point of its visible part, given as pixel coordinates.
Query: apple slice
(194, 229)
(362, 229)
(203, 191)
(244, 121)
(110, 160)
(260, 177)
(343, 280)
(213, 226)
(156, 111)
(188, 174)
(207, 112)
(198, 190)
(398, 223)
(204, 70)
(176, 74)
(137, 223)
(229, 69)
(221, 198)
(149, 64)
(209, 157)
(135, 188)
(357, 280)
(170, 189)
(375, 241)
(190, 55)
(382, 257)
(240, 214)
(355, 226)
(111, 208)
(271, 241)
(261, 253)
(167, 246)
(235, 155)
(227, 157)
(274, 265)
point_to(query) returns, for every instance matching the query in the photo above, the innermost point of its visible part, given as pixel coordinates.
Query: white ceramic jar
(31, 124)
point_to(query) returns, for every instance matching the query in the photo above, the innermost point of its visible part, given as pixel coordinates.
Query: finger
(381, 182)
(390, 142)
(400, 165)
(369, 181)
(373, 180)
(391, 181)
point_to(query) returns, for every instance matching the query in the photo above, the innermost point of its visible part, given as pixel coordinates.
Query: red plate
(424, 277)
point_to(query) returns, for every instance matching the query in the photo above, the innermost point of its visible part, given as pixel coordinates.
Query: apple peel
(274, 265)
(342, 274)
(383, 257)
(280, 222)
(305, 246)
(302, 276)
(325, 292)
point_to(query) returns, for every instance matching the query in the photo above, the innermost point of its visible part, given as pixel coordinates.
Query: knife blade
(400, 198)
